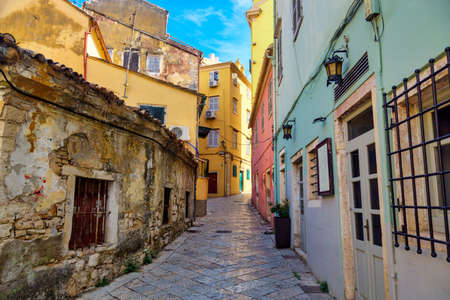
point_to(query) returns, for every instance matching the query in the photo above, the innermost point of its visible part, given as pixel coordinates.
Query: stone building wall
(76, 129)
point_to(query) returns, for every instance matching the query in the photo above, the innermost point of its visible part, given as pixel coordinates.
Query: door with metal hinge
(365, 208)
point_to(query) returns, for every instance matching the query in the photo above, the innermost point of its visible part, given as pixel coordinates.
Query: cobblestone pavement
(226, 255)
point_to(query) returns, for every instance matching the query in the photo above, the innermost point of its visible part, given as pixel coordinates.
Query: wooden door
(212, 183)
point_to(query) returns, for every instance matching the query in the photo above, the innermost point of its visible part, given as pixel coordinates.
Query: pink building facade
(261, 122)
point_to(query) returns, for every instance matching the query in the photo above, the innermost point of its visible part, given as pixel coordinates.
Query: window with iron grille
(417, 117)
(166, 206)
(297, 16)
(89, 213)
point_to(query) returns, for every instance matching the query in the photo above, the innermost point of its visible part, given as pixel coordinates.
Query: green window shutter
(248, 174)
(234, 171)
(156, 112)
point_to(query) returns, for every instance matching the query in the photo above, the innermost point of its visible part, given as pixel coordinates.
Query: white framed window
(213, 138)
(235, 138)
(153, 64)
(214, 103)
(213, 78)
(235, 106)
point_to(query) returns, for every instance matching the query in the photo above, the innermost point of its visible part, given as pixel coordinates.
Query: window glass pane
(374, 198)
(372, 157)
(444, 120)
(360, 124)
(354, 156)
(156, 112)
(359, 226)
(376, 230)
(357, 202)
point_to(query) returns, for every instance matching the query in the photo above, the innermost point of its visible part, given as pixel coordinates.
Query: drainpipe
(129, 58)
(197, 154)
(275, 92)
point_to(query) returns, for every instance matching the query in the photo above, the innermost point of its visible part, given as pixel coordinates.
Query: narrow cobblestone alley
(227, 255)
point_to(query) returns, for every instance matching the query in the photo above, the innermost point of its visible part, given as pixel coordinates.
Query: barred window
(154, 64)
(418, 126)
(89, 213)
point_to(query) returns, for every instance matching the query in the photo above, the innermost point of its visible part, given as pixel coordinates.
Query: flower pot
(282, 232)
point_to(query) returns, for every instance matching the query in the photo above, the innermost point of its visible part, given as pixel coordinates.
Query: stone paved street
(227, 255)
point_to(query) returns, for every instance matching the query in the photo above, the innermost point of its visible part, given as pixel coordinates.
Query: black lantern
(287, 129)
(334, 68)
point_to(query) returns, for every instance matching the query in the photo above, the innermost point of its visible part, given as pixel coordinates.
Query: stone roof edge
(11, 54)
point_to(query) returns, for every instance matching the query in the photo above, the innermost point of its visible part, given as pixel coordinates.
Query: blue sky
(212, 26)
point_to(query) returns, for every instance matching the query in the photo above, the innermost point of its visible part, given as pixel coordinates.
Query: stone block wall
(57, 128)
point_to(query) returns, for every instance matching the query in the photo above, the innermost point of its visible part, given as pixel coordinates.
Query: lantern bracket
(287, 129)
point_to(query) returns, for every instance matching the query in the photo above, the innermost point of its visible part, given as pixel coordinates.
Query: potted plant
(282, 224)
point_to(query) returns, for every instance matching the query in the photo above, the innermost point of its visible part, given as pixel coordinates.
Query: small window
(360, 124)
(248, 117)
(234, 171)
(213, 78)
(213, 138)
(235, 106)
(134, 60)
(166, 208)
(154, 64)
(270, 92)
(214, 103)
(89, 213)
(235, 139)
(248, 174)
(324, 163)
(157, 112)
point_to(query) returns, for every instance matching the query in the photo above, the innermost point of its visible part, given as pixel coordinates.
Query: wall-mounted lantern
(334, 67)
(287, 129)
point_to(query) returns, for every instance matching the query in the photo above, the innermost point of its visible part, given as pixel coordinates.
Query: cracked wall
(81, 131)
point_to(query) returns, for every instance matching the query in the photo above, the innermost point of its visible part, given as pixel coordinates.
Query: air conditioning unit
(210, 114)
(213, 83)
(182, 132)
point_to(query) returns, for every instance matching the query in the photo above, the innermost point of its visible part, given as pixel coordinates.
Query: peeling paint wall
(149, 17)
(178, 63)
(53, 27)
(81, 131)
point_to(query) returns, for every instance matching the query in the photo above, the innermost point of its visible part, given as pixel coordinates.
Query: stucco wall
(78, 130)
(53, 27)
(181, 104)
(262, 152)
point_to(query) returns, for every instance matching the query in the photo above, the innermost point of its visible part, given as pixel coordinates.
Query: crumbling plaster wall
(178, 66)
(42, 144)
(149, 17)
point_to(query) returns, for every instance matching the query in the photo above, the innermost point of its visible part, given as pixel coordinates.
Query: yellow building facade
(260, 19)
(178, 105)
(227, 146)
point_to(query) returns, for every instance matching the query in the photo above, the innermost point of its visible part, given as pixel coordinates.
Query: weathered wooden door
(212, 183)
(365, 212)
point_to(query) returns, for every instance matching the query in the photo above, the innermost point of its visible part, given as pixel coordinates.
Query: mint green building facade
(335, 170)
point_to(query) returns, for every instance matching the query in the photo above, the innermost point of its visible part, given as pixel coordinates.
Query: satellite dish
(178, 132)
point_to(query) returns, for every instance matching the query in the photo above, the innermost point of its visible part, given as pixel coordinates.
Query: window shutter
(134, 63)
(126, 54)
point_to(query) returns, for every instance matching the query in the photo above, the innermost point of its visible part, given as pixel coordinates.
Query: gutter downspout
(275, 92)
(197, 154)
(129, 58)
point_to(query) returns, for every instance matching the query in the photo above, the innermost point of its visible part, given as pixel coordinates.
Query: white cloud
(201, 15)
